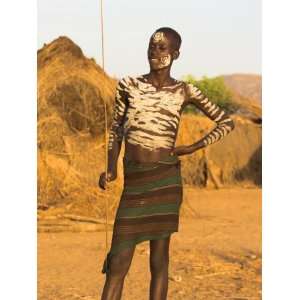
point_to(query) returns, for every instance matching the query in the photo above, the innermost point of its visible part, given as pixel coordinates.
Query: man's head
(163, 48)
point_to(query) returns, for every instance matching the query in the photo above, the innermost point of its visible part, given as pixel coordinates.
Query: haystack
(71, 94)
(235, 160)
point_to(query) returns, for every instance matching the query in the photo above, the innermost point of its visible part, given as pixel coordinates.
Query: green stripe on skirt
(147, 210)
(153, 185)
(147, 219)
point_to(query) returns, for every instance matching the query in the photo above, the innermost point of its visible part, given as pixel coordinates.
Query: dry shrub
(79, 103)
(236, 159)
(73, 182)
(71, 94)
(73, 87)
(51, 132)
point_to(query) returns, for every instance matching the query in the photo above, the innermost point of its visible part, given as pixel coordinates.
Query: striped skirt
(149, 205)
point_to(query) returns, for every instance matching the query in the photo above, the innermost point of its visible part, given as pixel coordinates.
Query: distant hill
(246, 94)
(246, 85)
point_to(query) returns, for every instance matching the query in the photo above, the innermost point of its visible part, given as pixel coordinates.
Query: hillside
(245, 85)
(247, 92)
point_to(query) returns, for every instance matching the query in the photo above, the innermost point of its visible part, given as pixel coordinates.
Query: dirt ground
(215, 255)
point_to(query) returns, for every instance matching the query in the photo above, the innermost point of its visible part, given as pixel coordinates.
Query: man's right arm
(116, 132)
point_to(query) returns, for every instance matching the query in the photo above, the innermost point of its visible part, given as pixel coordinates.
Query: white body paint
(149, 118)
(159, 63)
(152, 127)
(158, 37)
(165, 61)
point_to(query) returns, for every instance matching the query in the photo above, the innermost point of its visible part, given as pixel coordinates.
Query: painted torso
(148, 118)
(152, 116)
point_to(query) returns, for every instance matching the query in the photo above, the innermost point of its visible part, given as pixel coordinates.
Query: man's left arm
(224, 124)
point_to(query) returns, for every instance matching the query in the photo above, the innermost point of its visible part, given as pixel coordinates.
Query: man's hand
(183, 150)
(103, 179)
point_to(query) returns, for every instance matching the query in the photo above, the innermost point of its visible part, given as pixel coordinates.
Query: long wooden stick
(105, 131)
(102, 34)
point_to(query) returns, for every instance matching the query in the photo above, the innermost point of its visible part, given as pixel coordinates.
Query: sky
(218, 37)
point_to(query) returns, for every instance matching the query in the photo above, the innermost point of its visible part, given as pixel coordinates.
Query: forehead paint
(164, 61)
(158, 37)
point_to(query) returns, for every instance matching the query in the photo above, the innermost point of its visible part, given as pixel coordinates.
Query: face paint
(164, 61)
(159, 63)
(158, 37)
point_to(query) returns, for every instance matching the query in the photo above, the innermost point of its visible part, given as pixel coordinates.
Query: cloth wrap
(149, 206)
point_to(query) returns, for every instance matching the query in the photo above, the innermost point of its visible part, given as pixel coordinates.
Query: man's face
(160, 51)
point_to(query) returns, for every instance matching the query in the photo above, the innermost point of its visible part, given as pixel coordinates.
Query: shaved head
(171, 34)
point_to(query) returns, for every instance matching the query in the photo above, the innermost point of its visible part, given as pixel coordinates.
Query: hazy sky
(219, 36)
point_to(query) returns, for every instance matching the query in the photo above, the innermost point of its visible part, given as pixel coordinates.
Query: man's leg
(159, 264)
(119, 266)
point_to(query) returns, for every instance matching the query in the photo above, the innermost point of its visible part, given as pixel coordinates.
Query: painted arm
(116, 133)
(224, 124)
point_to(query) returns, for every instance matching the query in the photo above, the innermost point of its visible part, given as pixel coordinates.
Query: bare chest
(148, 106)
